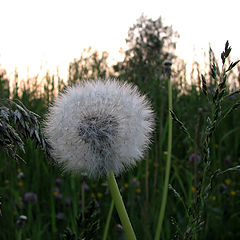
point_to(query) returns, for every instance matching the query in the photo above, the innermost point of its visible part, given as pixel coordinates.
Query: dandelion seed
(99, 126)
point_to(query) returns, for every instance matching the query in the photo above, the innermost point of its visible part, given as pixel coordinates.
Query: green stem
(168, 164)
(108, 220)
(120, 207)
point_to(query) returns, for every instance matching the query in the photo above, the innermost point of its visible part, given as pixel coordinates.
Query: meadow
(53, 202)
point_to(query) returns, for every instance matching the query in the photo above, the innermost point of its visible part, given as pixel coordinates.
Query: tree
(91, 65)
(150, 43)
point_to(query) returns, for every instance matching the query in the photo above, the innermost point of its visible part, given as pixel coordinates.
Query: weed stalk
(168, 164)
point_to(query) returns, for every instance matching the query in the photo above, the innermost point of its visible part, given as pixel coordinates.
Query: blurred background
(47, 45)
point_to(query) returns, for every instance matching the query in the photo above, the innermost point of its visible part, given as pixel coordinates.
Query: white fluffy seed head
(99, 126)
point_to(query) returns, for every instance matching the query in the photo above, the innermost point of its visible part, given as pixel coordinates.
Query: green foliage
(89, 224)
(89, 66)
(150, 43)
(206, 138)
(196, 210)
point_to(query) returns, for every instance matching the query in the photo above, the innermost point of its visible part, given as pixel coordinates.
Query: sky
(39, 35)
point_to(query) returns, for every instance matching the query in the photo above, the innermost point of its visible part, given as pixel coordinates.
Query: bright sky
(51, 33)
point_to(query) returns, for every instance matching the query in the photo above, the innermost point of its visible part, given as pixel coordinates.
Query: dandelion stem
(108, 220)
(120, 207)
(168, 164)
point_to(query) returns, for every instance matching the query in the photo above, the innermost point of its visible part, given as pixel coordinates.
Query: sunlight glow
(43, 35)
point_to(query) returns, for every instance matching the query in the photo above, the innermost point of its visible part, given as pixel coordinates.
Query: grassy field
(53, 202)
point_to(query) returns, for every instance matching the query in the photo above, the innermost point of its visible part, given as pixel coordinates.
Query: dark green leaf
(223, 57)
(215, 95)
(227, 49)
(232, 94)
(226, 46)
(232, 65)
(204, 85)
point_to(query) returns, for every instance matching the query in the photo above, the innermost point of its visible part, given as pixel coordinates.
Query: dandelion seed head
(99, 126)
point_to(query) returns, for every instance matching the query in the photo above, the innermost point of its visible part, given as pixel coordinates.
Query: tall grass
(54, 212)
